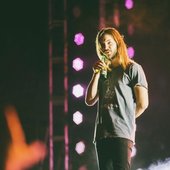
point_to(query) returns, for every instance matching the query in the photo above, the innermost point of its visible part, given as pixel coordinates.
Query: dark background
(24, 72)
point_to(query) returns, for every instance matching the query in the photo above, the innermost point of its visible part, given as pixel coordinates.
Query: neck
(115, 62)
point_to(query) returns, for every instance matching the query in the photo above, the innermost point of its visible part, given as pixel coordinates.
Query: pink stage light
(77, 118)
(129, 4)
(78, 90)
(77, 64)
(131, 52)
(79, 38)
(80, 147)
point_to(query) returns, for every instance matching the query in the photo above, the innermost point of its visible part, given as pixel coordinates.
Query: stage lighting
(77, 64)
(79, 38)
(129, 4)
(77, 118)
(131, 52)
(80, 147)
(78, 90)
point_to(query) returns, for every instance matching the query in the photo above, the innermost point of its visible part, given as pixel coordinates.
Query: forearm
(140, 109)
(142, 100)
(92, 90)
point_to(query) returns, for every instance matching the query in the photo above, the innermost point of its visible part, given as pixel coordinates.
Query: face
(108, 46)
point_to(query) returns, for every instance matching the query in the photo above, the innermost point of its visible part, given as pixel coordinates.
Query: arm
(142, 101)
(91, 96)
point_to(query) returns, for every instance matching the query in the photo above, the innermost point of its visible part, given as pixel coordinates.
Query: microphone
(104, 73)
(104, 70)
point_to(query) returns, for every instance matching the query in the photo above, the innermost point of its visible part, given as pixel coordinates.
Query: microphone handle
(104, 73)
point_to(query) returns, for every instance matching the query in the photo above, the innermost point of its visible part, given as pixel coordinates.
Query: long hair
(121, 54)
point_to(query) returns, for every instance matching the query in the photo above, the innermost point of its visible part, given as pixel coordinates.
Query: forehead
(106, 37)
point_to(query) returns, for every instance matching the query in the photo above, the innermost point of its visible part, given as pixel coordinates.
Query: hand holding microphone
(100, 67)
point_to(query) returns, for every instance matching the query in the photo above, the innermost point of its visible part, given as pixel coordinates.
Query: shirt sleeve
(138, 76)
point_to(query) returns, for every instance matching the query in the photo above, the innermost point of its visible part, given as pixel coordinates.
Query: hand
(21, 155)
(98, 66)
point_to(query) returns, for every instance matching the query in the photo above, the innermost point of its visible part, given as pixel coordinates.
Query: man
(120, 87)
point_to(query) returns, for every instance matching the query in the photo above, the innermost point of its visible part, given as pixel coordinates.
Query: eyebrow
(108, 40)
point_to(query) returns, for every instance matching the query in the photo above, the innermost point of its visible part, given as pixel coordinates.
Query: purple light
(129, 4)
(80, 147)
(79, 38)
(131, 52)
(78, 64)
(78, 90)
(77, 118)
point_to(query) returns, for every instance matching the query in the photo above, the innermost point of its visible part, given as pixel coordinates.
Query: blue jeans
(114, 153)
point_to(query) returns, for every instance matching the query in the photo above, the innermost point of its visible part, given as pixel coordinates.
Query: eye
(102, 45)
(109, 43)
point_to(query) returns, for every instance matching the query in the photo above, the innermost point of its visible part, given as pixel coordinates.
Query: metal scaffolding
(58, 86)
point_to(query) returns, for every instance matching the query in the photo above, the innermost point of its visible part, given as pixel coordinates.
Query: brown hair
(121, 54)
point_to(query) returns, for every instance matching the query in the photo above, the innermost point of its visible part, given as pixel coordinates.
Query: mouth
(107, 54)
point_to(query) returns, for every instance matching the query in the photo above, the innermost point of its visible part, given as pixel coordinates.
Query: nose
(105, 47)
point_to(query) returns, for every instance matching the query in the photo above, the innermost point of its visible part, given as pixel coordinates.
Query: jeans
(114, 153)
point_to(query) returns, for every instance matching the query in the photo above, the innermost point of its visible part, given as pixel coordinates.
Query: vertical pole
(50, 48)
(50, 111)
(66, 137)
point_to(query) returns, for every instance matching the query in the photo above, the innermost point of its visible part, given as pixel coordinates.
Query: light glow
(80, 147)
(78, 90)
(79, 38)
(78, 64)
(131, 52)
(77, 118)
(129, 4)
